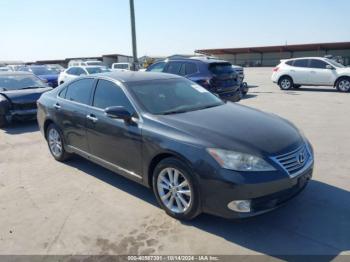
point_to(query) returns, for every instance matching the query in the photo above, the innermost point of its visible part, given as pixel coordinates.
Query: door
(71, 109)
(300, 71)
(114, 140)
(320, 74)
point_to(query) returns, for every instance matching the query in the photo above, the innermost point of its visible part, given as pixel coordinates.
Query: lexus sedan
(196, 152)
(19, 92)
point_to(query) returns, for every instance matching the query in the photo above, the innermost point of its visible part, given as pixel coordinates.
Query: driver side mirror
(118, 112)
(330, 67)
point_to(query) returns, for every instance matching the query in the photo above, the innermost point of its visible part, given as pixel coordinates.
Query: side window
(158, 67)
(109, 94)
(290, 63)
(174, 68)
(315, 63)
(183, 70)
(80, 91)
(301, 63)
(191, 68)
(71, 71)
(80, 71)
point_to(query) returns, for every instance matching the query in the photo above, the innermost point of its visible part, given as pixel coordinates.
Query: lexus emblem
(301, 158)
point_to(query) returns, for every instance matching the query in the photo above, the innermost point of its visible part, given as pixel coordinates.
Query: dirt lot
(80, 208)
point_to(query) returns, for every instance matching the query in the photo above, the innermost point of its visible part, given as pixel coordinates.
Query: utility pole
(133, 35)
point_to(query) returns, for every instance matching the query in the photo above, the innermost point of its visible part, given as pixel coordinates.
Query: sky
(42, 29)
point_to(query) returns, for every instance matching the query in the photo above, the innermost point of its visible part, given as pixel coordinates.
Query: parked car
(43, 72)
(121, 66)
(311, 71)
(197, 152)
(19, 92)
(217, 76)
(84, 63)
(75, 71)
(15, 67)
(244, 86)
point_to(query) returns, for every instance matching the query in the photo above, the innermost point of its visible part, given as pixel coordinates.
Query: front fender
(5, 105)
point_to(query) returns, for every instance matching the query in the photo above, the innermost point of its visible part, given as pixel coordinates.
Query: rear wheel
(55, 142)
(343, 84)
(244, 88)
(175, 189)
(285, 83)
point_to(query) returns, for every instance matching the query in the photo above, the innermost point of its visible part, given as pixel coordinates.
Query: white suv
(76, 71)
(311, 71)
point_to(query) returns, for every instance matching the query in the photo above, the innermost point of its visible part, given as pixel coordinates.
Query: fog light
(242, 206)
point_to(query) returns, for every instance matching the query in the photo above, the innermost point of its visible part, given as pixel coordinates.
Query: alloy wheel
(55, 142)
(344, 85)
(285, 84)
(174, 190)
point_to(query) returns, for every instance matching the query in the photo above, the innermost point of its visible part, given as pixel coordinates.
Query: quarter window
(108, 94)
(315, 63)
(301, 63)
(72, 71)
(80, 91)
(191, 68)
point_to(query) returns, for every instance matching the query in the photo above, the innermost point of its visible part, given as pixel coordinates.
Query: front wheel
(55, 142)
(175, 189)
(3, 121)
(343, 85)
(285, 83)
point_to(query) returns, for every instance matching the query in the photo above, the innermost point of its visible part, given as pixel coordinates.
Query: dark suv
(217, 76)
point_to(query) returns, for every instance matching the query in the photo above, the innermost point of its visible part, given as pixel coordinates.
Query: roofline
(280, 48)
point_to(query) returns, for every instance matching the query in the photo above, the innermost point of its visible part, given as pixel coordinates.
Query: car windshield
(336, 64)
(15, 82)
(43, 71)
(221, 68)
(96, 70)
(172, 96)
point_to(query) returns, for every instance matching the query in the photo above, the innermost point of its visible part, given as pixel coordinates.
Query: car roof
(311, 57)
(205, 60)
(132, 76)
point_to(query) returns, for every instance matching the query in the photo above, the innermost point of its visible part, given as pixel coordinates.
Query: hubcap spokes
(55, 143)
(344, 85)
(174, 190)
(285, 84)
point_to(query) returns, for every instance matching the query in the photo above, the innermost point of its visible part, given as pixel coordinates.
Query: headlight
(239, 161)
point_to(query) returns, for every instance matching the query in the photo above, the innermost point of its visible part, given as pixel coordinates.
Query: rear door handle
(57, 106)
(92, 118)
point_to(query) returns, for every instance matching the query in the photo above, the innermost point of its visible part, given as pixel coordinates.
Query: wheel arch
(157, 159)
(47, 122)
(339, 78)
(284, 75)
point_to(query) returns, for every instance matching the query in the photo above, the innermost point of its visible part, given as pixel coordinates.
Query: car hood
(345, 70)
(237, 127)
(24, 96)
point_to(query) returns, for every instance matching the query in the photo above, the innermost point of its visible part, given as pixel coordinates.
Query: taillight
(276, 69)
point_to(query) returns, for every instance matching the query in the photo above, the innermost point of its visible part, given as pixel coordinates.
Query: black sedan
(19, 92)
(197, 153)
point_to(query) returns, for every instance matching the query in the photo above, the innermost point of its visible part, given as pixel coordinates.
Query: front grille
(295, 160)
(27, 106)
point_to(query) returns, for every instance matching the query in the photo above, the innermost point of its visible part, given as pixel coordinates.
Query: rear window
(220, 68)
(301, 63)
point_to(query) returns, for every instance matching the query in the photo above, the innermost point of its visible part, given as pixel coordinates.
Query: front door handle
(92, 118)
(57, 106)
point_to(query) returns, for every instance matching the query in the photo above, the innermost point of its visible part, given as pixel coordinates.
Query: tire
(236, 98)
(343, 84)
(55, 142)
(3, 121)
(182, 206)
(285, 83)
(296, 86)
(244, 88)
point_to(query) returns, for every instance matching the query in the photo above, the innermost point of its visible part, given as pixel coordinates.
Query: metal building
(271, 55)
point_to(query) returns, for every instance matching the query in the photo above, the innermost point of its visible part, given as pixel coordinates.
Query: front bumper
(264, 196)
